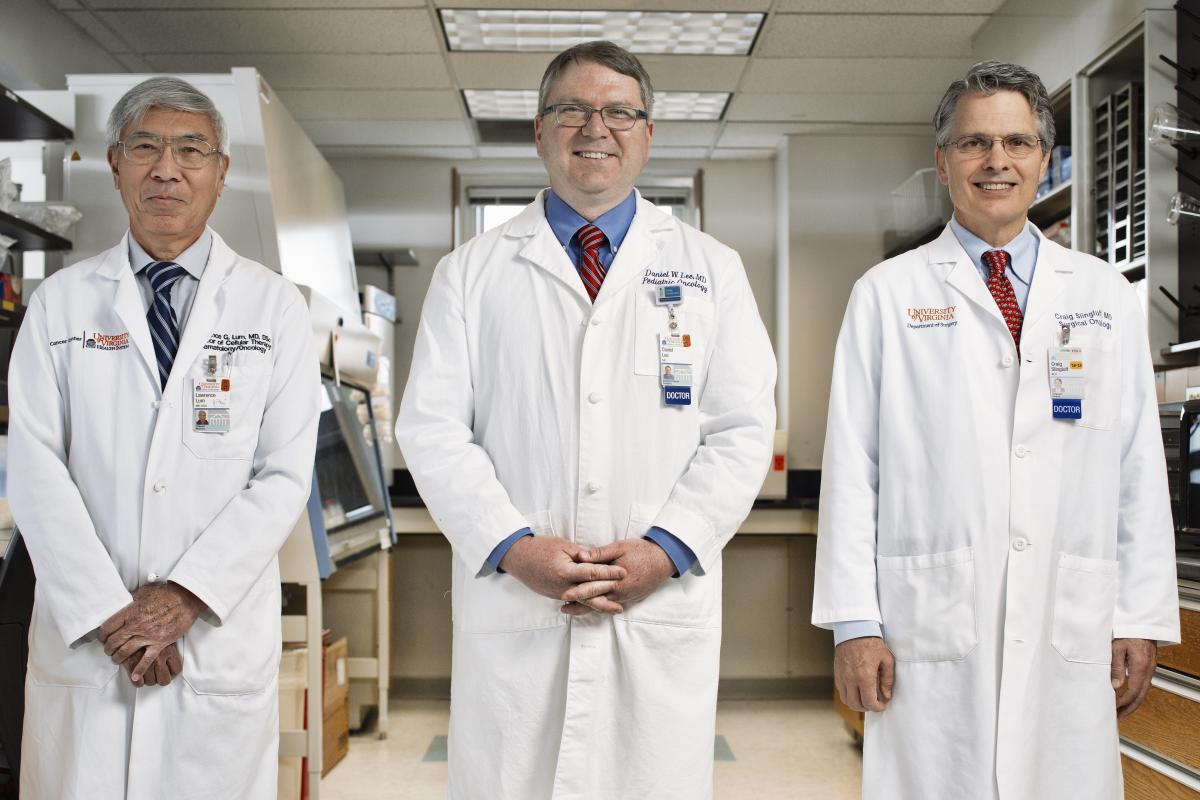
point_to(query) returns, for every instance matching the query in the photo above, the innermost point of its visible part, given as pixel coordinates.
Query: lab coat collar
(543, 248)
(128, 303)
(946, 252)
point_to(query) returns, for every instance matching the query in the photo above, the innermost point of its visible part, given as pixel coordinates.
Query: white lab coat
(527, 406)
(1001, 549)
(113, 489)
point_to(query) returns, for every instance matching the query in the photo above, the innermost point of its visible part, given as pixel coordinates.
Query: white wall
(840, 204)
(39, 46)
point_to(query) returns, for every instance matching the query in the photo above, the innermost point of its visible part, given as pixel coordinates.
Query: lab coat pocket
(240, 656)
(1102, 399)
(53, 663)
(694, 317)
(689, 601)
(1085, 599)
(499, 603)
(928, 605)
(247, 395)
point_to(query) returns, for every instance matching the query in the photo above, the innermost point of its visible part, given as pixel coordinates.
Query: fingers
(586, 591)
(575, 609)
(115, 642)
(129, 647)
(146, 662)
(600, 555)
(1117, 672)
(605, 605)
(113, 623)
(887, 678)
(583, 573)
(174, 661)
(867, 685)
(162, 673)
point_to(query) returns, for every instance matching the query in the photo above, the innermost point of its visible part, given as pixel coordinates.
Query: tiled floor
(765, 750)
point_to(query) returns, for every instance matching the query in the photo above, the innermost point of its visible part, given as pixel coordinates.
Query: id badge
(675, 361)
(1068, 381)
(211, 405)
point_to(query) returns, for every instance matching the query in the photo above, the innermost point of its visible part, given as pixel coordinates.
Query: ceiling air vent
(505, 131)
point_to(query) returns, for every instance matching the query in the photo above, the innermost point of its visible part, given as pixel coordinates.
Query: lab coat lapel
(963, 275)
(542, 248)
(128, 303)
(639, 250)
(206, 308)
(1048, 283)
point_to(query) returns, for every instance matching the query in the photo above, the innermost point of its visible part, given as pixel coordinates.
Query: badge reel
(1068, 378)
(675, 351)
(211, 398)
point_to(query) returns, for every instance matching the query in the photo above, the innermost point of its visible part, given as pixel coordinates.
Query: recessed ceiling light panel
(666, 32)
(522, 104)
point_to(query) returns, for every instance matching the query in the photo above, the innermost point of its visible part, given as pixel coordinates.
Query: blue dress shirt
(614, 223)
(193, 260)
(1022, 252)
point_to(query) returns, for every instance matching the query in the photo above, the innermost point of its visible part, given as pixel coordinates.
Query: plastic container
(920, 202)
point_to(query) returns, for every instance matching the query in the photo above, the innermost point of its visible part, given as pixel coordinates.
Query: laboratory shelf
(19, 120)
(30, 236)
(1052, 206)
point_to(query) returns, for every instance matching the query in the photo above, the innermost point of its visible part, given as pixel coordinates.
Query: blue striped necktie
(164, 326)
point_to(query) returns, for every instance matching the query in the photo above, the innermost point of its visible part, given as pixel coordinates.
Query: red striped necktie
(1000, 286)
(590, 269)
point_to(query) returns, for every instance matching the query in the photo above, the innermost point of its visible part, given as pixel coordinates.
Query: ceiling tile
(880, 35)
(617, 5)
(317, 71)
(93, 27)
(372, 104)
(726, 153)
(684, 134)
(524, 71)
(278, 31)
(241, 4)
(847, 75)
(891, 107)
(888, 6)
(385, 133)
(65, 4)
(343, 151)
(768, 134)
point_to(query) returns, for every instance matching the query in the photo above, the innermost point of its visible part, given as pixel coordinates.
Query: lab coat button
(1020, 451)
(160, 487)
(152, 577)
(594, 397)
(596, 320)
(1007, 361)
(594, 486)
(1020, 543)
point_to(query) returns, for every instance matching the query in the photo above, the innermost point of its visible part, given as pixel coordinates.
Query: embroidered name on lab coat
(932, 317)
(232, 342)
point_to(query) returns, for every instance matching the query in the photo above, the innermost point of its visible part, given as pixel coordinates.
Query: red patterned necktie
(590, 269)
(1002, 292)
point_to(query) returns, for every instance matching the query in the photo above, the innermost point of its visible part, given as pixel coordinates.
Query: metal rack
(1119, 177)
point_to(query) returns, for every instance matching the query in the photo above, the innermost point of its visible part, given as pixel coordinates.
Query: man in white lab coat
(586, 493)
(995, 549)
(164, 402)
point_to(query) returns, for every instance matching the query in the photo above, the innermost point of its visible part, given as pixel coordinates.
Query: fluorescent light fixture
(668, 32)
(522, 104)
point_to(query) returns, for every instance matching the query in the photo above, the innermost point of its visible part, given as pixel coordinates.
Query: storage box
(293, 680)
(921, 202)
(336, 734)
(336, 684)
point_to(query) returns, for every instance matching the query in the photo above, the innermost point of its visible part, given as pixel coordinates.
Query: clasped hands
(603, 579)
(141, 636)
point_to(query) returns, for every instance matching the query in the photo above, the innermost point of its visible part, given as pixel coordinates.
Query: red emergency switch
(780, 462)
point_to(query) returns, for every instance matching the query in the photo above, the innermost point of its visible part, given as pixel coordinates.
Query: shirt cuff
(855, 629)
(493, 561)
(680, 554)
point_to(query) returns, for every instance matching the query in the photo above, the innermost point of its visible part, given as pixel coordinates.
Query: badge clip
(1064, 335)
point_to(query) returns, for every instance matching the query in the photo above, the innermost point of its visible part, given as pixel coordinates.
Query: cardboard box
(335, 687)
(336, 734)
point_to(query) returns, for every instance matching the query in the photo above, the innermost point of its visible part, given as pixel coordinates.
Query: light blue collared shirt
(1022, 252)
(614, 223)
(194, 260)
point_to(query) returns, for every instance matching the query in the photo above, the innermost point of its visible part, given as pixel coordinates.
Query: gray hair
(164, 92)
(987, 78)
(606, 54)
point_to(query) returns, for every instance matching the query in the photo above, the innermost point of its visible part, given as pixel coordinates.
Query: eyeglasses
(145, 148)
(1017, 145)
(616, 118)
